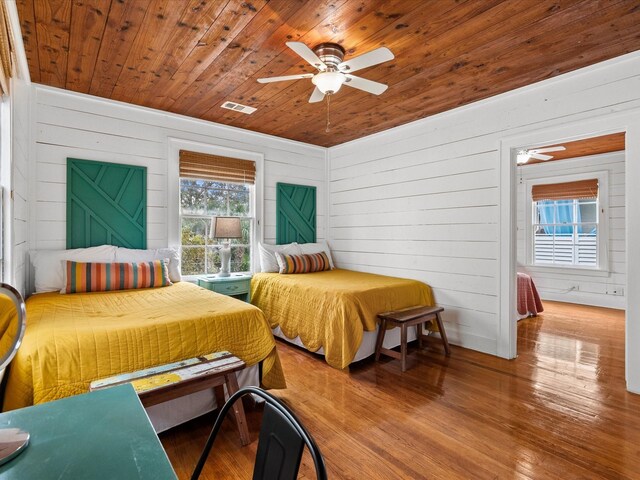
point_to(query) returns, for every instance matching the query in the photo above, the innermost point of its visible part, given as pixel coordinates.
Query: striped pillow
(306, 263)
(101, 277)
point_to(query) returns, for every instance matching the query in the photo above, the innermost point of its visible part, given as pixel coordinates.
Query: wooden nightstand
(238, 285)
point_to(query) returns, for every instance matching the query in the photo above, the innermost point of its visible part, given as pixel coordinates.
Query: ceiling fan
(333, 71)
(538, 153)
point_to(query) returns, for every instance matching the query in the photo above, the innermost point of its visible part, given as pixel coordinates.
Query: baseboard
(633, 389)
(580, 298)
(472, 342)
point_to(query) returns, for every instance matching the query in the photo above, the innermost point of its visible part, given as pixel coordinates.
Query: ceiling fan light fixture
(328, 58)
(329, 82)
(523, 157)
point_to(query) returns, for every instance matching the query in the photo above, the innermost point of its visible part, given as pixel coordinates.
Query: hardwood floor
(559, 411)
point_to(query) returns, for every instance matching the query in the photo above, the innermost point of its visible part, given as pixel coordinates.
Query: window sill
(595, 272)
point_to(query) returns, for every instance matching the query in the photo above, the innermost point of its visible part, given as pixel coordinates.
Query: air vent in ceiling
(236, 107)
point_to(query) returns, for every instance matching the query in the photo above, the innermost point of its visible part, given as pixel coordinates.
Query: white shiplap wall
(588, 289)
(68, 124)
(422, 200)
(20, 111)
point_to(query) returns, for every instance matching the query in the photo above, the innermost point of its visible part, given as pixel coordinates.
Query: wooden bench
(166, 382)
(413, 316)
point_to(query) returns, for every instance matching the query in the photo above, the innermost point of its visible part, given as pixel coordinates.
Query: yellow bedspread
(76, 338)
(332, 309)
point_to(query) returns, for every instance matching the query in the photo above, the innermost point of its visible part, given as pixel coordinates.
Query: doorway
(570, 235)
(570, 225)
(628, 124)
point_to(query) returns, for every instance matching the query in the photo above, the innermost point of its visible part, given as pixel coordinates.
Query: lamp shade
(226, 227)
(329, 82)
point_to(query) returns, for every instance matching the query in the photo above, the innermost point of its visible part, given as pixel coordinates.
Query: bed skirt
(368, 345)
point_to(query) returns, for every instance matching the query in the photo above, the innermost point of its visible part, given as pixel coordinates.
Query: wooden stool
(407, 318)
(166, 382)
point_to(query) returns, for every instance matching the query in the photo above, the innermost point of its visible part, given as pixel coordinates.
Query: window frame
(174, 221)
(602, 231)
(6, 189)
(208, 218)
(575, 206)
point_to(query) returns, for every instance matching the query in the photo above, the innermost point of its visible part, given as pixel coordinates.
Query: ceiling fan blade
(308, 54)
(539, 156)
(316, 96)
(374, 57)
(548, 149)
(363, 84)
(285, 78)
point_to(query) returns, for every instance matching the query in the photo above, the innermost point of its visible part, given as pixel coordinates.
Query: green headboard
(106, 204)
(295, 213)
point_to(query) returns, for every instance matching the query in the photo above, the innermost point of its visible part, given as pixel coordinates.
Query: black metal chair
(280, 445)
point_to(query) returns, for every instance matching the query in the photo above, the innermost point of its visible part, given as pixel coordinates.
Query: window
(566, 232)
(211, 186)
(566, 228)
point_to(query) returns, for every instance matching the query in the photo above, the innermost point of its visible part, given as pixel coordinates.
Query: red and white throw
(528, 299)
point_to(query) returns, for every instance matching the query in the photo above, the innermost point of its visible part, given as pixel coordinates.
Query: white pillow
(49, 264)
(268, 261)
(309, 248)
(132, 255)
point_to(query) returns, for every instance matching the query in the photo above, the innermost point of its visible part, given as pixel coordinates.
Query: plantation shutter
(7, 54)
(566, 190)
(216, 168)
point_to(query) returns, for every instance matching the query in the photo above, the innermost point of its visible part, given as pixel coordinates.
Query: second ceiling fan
(333, 71)
(537, 154)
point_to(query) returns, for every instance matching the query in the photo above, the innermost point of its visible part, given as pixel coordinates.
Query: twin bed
(334, 312)
(73, 339)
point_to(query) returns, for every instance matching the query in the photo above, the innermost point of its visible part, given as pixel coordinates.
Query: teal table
(99, 435)
(238, 285)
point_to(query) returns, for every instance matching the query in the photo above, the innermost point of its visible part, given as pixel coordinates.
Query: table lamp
(226, 228)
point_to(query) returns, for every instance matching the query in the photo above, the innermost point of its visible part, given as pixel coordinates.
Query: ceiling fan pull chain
(328, 113)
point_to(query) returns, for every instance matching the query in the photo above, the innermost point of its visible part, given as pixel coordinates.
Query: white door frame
(628, 122)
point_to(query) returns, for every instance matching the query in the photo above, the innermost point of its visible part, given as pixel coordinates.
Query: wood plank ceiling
(614, 142)
(190, 56)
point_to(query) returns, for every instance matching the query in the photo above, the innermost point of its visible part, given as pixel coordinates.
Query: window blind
(565, 190)
(216, 168)
(7, 55)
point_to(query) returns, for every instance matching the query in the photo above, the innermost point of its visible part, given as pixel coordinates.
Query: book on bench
(160, 376)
